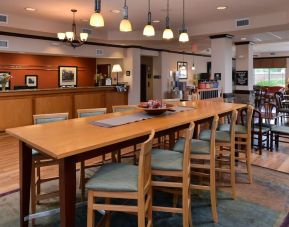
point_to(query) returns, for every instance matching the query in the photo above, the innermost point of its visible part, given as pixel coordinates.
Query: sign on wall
(242, 78)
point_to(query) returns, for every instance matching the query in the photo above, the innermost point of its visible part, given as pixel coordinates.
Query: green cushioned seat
(240, 129)
(90, 114)
(49, 120)
(221, 136)
(281, 129)
(35, 152)
(198, 146)
(166, 160)
(114, 177)
(263, 129)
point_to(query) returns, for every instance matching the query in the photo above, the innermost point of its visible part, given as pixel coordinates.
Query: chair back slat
(90, 112)
(123, 108)
(48, 118)
(187, 149)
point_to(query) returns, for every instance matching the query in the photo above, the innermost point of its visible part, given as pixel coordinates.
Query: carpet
(264, 203)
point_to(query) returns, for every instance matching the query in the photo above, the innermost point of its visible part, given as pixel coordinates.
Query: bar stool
(39, 161)
(88, 113)
(203, 152)
(133, 154)
(172, 164)
(123, 181)
(225, 150)
(243, 138)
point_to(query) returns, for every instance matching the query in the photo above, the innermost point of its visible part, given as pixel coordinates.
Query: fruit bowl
(154, 107)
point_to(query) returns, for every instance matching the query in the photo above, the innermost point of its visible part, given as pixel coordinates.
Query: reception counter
(18, 107)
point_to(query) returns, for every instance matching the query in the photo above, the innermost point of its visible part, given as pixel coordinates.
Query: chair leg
(107, 213)
(38, 180)
(213, 192)
(248, 162)
(260, 143)
(185, 206)
(150, 209)
(232, 169)
(82, 180)
(141, 212)
(90, 211)
(33, 188)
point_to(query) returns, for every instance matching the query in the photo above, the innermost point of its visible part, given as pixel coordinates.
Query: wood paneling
(114, 99)
(270, 63)
(87, 101)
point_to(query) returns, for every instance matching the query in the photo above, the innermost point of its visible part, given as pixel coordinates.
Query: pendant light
(149, 29)
(168, 33)
(125, 25)
(184, 37)
(193, 67)
(96, 19)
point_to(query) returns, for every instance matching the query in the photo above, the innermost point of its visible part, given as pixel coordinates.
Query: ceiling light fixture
(96, 19)
(168, 33)
(193, 67)
(70, 37)
(184, 37)
(149, 29)
(30, 9)
(222, 7)
(125, 25)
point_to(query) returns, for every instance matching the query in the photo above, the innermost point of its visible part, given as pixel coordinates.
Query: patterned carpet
(264, 203)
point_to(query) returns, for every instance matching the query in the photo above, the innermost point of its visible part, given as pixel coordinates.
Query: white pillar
(222, 61)
(132, 63)
(244, 62)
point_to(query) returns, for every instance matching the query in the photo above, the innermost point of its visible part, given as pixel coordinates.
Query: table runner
(117, 121)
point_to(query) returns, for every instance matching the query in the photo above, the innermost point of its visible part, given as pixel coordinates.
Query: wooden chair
(39, 161)
(202, 156)
(225, 150)
(123, 181)
(133, 154)
(243, 138)
(173, 164)
(170, 100)
(88, 113)
(280, 107)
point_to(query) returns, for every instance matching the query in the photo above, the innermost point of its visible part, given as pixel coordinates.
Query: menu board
(242, 78)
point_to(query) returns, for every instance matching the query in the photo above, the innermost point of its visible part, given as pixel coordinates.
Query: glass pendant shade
(125, 26)
(69, 35)
(168, 34)
(193, 67)
(96, 20)
(184, 37)
(149, 30)
(61, 35)
(83, 36)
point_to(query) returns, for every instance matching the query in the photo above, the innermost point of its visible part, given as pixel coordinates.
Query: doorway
(146, 80)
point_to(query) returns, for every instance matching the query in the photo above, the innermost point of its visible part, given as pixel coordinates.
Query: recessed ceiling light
(222, 7)
(116, 11)
(156, 21)
(30, 9)
(243, 38)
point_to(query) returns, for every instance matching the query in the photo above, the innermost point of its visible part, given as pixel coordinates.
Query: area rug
(264, 203)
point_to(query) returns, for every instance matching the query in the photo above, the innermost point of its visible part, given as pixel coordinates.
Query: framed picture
(31, 81)
(218, 76)
(67, 76)
(7, 86)
(182, 67)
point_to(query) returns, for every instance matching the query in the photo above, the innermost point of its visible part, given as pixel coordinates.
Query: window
(270, 76)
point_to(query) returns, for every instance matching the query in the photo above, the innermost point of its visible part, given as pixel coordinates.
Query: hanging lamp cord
(149, 14)
(183, 14)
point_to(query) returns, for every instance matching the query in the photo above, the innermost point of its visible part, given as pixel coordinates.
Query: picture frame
(8, 84)
(31, 81)
(217, 76)
(67, 76)
(183, 72)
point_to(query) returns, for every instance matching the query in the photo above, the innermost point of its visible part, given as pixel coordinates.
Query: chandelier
(71, 38)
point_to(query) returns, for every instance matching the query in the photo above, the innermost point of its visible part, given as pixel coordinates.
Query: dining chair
(243, 138)
(168, 164)
(123, 181)
(88, 113)
(40, 160)
(133, 154)
(202, 155)
(225, 150)
(281, 108)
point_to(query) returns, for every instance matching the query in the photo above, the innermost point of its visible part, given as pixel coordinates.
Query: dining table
(76, 140)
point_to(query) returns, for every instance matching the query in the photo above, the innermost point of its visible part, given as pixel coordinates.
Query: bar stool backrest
(90, 112)
(48, 118)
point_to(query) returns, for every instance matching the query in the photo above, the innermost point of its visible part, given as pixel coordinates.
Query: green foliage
(272, 82)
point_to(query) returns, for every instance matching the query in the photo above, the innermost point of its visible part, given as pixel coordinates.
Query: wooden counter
(18, 107)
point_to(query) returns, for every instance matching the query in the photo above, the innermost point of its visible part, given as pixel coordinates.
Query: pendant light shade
(149, 30)
(83, 36)
(61, 35)
(125, 25)
(168, 33)
(96, 19)
(193, 67)
(69, 35)
(184, 37)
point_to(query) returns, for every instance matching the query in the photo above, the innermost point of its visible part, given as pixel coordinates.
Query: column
(221, 46)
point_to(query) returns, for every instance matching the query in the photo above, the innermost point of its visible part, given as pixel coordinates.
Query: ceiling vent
(99, 52)
(4, 44)
(87, 30)
(3, 19)
(242, 22)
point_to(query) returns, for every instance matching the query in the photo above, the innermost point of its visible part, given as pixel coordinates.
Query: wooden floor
(9, 163)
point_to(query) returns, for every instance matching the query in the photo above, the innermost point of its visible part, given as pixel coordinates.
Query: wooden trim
(243, 43)
(220, 36)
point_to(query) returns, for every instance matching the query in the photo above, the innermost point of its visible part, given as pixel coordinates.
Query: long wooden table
(76, 140)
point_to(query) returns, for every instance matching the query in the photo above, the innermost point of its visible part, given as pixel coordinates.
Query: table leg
(67, 187)
(25, 159)
(172, 138)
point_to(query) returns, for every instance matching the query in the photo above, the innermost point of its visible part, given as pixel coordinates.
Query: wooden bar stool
(123, 181)
(202, 156)
(243, 138)
(225, 150)
(39, 161)
(88, 113)
(172, 164)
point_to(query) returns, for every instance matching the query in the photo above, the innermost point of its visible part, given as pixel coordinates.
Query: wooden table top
(75, 136)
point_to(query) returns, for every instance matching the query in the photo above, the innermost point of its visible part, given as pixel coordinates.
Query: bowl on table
(155, 110)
